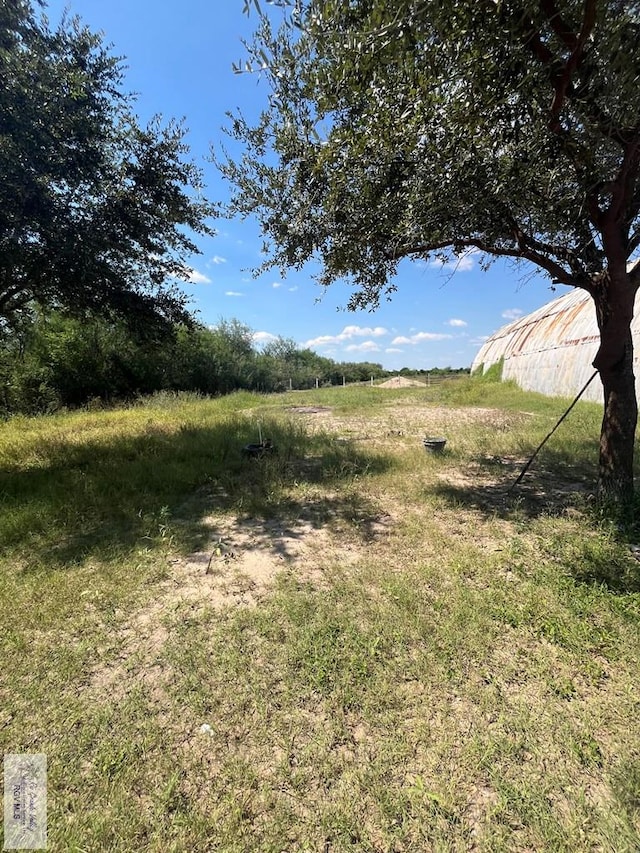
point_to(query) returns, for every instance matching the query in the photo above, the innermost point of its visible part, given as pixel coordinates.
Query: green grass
(433, 664)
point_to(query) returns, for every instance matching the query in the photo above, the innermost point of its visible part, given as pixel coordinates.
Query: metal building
(552, 349)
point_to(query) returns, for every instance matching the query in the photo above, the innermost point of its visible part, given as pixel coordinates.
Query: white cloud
(277, 284)
(366, 346)
(347, 334)
(233, 293)
(196, 277)
(217, 259)
(429, 336)
(393, 349)
(419, 337)
(481, 339)
(512, 313)
(463, 262)
(459, 324)
(363, 331)
(293, 289)
(264, 337)
(320, 341)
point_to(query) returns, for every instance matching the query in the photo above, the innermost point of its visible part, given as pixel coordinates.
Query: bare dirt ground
(401, 382)
(237, 569)
(486, 475)
(409, 420)
(244, 556)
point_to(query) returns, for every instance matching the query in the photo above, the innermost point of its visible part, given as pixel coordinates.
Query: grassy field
(349, 645)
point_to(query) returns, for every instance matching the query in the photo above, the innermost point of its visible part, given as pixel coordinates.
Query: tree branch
(558, 24)
(527, 243)
(533, 41)
(564, 80)
(561, 72)
(555, 270)
(623, 188)
(542, 249)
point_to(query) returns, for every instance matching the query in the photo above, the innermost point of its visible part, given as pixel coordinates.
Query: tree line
(52, 361)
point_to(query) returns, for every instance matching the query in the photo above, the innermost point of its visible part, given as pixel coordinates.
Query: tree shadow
(488, 484)
(295, 524)
(618, 573)
(108, 498)
(552, 488)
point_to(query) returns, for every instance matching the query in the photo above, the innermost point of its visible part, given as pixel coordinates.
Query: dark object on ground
(257, 451)
(434, 445)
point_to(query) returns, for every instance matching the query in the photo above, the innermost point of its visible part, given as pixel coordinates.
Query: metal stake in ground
(547, 437)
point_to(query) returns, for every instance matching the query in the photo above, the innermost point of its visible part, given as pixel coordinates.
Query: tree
(93, 207)
(287, 365)
(231, 346)
(509, 127)
(50, 360)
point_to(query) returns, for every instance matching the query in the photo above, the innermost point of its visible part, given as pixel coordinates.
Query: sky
(179, 59)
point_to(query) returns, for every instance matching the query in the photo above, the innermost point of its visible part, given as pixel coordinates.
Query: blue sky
(179, 62)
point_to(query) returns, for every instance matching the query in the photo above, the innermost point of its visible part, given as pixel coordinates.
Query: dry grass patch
(406, 418)
(348, 647)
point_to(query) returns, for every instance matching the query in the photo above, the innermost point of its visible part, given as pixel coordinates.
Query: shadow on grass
(108, 499)
(552, 488)
(618, 573)
(488, 484)
(292, 525)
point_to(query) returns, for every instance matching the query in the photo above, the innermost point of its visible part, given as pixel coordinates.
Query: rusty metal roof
(552, 349)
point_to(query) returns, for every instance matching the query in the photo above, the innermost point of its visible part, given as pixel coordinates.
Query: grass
(350, 645)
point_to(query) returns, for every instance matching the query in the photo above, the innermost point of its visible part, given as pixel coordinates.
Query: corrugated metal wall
(551, 350)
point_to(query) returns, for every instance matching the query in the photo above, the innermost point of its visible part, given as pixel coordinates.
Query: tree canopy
(95, 210)
(421, 126)
(508, 127)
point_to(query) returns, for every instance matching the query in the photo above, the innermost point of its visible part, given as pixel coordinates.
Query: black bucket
(434, 445)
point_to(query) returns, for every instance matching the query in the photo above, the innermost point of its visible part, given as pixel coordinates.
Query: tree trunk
(614, 307)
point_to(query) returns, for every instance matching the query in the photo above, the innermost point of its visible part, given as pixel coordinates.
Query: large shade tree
(510, 127)
(95, 210)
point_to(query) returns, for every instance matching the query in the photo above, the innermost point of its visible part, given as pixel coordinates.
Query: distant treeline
(432, 371)
(52, 361)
